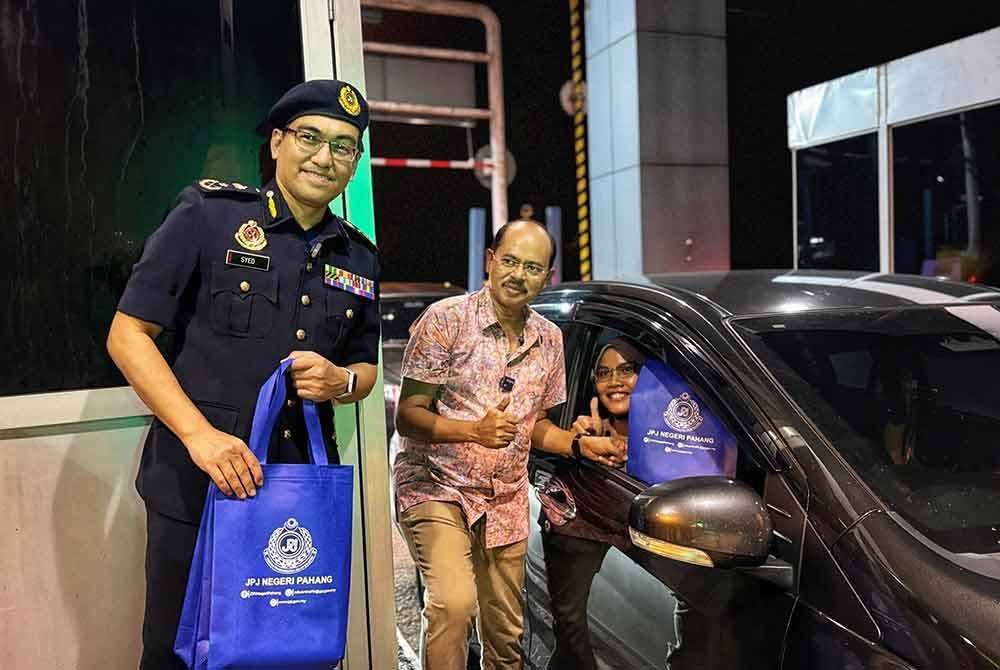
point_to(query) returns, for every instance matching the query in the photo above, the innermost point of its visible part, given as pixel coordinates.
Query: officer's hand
(315, 378)
(497, 428)
(227, 460)
(589, 425)
(610, 451)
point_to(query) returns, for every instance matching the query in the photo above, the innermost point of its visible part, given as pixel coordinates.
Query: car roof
(746, 292)
(399, 289)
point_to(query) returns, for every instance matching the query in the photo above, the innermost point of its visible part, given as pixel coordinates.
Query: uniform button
(300, 334)
(290, 403)
(309, 267)
(244, 286)
(349, 313)
(306, 300)
(287, 434)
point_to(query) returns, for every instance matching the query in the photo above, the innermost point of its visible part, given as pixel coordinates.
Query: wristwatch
(352, 383)
(575, 446)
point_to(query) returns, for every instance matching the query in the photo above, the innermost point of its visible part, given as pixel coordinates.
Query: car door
(727, 618)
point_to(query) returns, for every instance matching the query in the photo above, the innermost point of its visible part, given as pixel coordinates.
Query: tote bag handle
(270, 400)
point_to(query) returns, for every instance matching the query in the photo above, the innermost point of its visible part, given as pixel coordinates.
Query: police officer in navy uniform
(246, 277)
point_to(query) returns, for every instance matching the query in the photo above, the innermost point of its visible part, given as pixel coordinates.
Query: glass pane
(947, 222)
(909, 399)
(112, 111)
(838, 204)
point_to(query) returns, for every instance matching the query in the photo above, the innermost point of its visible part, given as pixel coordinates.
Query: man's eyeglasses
(625, 370)
(530, 269)
(312, 142)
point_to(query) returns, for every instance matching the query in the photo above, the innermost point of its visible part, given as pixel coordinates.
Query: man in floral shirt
(479, 374)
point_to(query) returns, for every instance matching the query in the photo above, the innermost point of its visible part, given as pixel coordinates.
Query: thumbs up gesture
(497, 428)
(590, 425)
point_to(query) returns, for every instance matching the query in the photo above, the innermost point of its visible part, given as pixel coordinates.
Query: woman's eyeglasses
(625, 370)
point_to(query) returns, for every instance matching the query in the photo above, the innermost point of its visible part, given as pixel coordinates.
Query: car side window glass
(705, 433)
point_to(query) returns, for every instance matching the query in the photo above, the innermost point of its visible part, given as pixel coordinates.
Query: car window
(910, 399)
(703, 438)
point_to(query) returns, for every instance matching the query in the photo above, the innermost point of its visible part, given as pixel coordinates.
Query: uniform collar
(275, 211)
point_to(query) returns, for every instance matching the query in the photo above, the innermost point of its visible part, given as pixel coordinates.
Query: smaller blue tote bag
(671, 433)
(270, 577)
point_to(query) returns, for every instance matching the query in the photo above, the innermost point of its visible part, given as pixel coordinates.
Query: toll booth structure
(70, 437)
(892, 166)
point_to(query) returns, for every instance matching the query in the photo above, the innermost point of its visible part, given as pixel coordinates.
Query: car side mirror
(709, 521)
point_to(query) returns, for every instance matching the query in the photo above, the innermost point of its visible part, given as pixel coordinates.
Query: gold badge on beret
(251, 236)
(349, 101)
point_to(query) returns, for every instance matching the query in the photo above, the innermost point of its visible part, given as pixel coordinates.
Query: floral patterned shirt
(458, 345)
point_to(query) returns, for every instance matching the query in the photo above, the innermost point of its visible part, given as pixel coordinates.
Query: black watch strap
(575, 446)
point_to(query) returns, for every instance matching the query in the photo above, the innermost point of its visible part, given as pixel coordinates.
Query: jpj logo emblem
(290, 549)
(683, 414)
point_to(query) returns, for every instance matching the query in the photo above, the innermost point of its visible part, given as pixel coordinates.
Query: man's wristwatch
(575, 446)
(352, 383)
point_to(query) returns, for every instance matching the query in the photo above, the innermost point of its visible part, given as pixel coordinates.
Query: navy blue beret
(324, 97)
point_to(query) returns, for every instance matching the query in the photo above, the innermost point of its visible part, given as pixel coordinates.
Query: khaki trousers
(462, 578)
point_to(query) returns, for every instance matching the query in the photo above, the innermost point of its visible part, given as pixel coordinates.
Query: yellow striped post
(580, 138)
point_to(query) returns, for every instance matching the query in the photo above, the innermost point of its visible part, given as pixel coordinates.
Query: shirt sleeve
(428, 354)
(168, 263)
(363, 346)
(556, 384)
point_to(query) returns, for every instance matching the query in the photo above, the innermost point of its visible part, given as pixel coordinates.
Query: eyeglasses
(625, 370)
(312, 142)
(530, 269)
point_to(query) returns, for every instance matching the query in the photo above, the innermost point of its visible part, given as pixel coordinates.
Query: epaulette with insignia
(210, 186)
(356, 233)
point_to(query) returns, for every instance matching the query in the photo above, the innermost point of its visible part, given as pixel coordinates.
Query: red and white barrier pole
(470, 164)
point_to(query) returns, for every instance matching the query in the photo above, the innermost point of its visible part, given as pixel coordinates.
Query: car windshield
(911, 399)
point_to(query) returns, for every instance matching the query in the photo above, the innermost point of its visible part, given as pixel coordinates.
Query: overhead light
(793, 306)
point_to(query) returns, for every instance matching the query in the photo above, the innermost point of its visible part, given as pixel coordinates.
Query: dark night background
(774, 47)
(110, 109)
(421, 216)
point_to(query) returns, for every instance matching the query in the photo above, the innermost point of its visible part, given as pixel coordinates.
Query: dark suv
(862, 528)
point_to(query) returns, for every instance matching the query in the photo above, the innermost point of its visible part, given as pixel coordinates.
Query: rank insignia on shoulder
(251, 236)
(348, 281)
(212, 186)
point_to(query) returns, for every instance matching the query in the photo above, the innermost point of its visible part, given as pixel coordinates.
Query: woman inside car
(578, 530)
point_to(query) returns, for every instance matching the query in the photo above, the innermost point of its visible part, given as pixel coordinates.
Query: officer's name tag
(245, 259)
(348, 281)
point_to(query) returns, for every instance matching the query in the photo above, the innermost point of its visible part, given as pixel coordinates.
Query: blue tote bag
(270, 577)
(671, 434)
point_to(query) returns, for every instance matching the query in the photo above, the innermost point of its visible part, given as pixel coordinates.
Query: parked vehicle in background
(402, 303)
(867, 413)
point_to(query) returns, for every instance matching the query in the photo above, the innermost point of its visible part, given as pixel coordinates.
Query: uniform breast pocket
(244, 302)
(343, 310)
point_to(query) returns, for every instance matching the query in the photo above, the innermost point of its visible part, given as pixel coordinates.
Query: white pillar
(657, 136)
